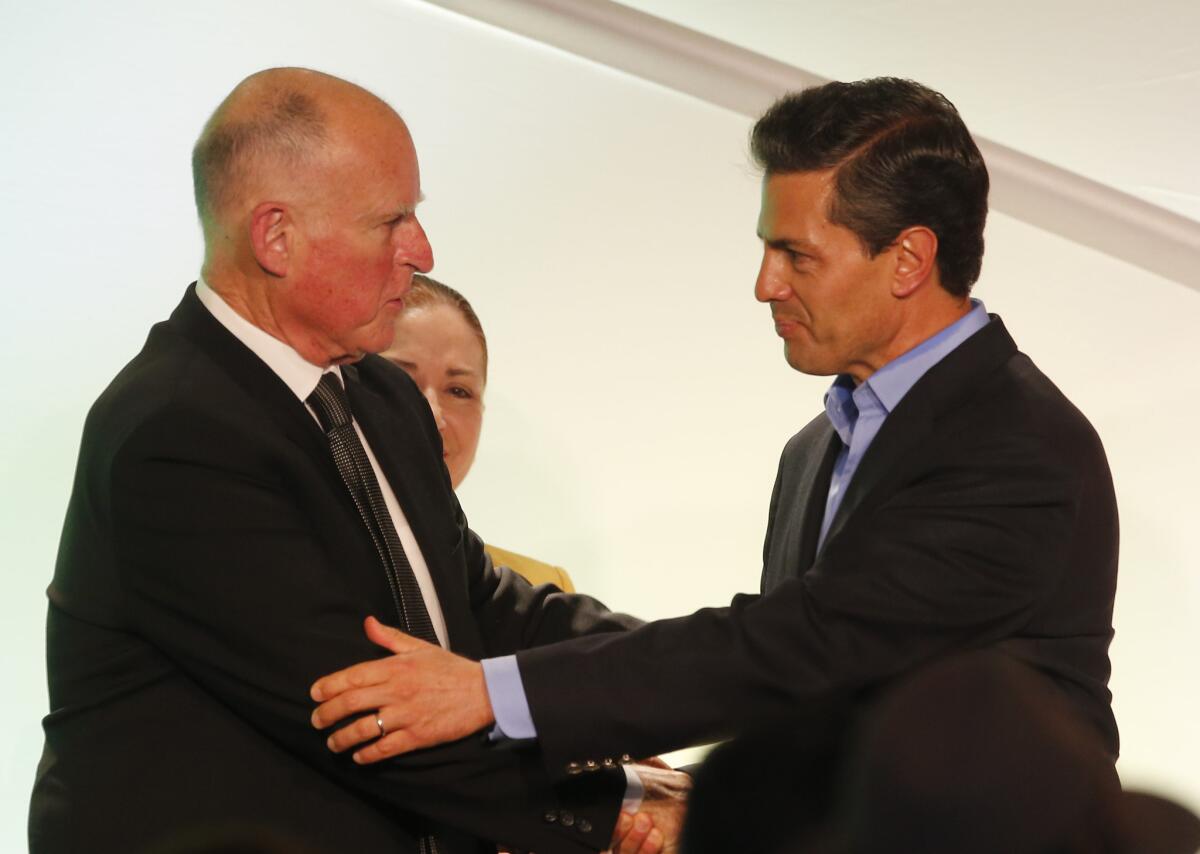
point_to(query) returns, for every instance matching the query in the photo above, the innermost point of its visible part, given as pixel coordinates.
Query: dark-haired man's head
(874, 195)
(901, 156)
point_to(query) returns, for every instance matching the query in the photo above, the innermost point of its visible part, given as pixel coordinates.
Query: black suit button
(567, 819)
(574, 768)
(591, 765)
(551, 817)
(609, 762)
(626, 759)
(585, 826)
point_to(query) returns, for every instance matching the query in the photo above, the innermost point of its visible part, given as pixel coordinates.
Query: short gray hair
(289, 129)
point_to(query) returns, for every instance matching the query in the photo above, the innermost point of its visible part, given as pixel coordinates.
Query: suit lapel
(251, 373)
(814, 486)
(912, 423)
(395, 440)
(413, 469)
(798, 503)
(904, 431)
(284, 413)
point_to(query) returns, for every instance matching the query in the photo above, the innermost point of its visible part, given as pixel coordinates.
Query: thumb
(391, 639)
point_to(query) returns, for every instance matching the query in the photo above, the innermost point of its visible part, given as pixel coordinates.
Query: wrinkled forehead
(374, 161)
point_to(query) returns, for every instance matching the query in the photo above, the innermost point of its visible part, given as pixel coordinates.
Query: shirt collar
(841, 408)
(297, 374)
(890, 383)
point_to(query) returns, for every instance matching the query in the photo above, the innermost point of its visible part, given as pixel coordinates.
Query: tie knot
(330, 403)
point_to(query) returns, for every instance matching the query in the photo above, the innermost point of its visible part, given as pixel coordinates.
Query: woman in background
(440, 344)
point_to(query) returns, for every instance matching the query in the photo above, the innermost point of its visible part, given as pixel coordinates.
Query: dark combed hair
(903, 158)
(289, 130)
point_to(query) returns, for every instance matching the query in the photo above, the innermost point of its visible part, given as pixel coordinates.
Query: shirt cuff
(635, 790)
(506, 692)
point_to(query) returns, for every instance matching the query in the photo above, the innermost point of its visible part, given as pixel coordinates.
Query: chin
(796, 359)
(380, 341)
(805, 364)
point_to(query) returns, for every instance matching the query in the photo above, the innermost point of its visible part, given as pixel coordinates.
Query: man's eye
(461, 393)
(797, 259)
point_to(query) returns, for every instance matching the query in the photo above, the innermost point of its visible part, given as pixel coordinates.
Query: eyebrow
(404, 210)
(450, 372)
(801, 246)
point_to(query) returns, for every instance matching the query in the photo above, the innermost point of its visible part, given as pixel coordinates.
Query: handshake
(423, 695)
(657, 824)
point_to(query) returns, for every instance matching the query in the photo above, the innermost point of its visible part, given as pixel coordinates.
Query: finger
(390, 638)
(653, 844)
(360, 675)
(392, 744)
(624, 823)
(631, 843)
(349, 702)
(358, 731)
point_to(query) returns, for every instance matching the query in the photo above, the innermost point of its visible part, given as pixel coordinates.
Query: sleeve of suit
(222, 571)
(514, 615)
(958, 556)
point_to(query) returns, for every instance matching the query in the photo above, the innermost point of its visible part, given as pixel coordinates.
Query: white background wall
(604, 229)
(1105, 88)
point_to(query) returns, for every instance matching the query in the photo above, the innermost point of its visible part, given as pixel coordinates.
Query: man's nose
(769, 287)
(414, 250)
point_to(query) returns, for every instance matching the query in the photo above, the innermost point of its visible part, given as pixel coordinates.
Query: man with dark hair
(902, 156)
(252, 486)
(949, 498)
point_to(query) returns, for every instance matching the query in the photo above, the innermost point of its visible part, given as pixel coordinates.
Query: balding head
(272, 129)
(307, 188)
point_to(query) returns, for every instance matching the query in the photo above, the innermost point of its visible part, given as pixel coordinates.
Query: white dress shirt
(302, 377)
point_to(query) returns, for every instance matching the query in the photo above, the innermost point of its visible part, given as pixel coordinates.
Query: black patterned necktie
(329, 401)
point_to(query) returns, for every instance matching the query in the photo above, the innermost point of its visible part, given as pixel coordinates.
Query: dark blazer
(212, 566)
(982, 515)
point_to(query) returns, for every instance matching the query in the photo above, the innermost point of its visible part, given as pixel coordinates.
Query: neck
(930, 324)
(918, 327)
(249, 297)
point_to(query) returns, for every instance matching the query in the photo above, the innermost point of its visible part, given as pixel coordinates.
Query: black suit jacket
(212, 566)
(982, 515)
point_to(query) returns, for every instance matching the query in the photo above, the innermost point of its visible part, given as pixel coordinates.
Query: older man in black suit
(250, 487)
(949, 498)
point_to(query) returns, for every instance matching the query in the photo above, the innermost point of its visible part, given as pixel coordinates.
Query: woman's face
(441, 352)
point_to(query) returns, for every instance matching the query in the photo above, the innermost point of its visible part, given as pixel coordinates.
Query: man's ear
(272, 237)
(916, 260)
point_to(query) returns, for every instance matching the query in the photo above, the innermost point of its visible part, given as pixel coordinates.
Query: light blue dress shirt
(856, 415)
